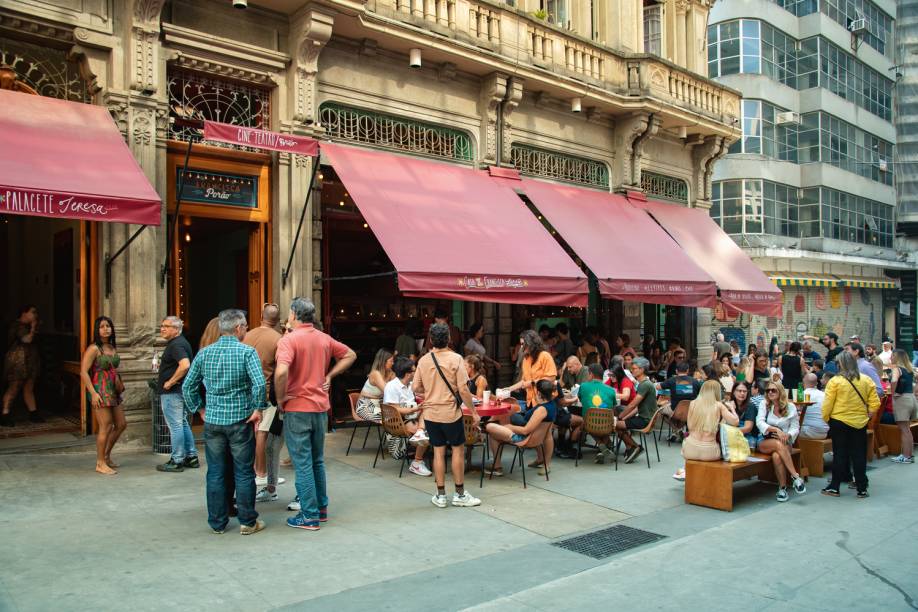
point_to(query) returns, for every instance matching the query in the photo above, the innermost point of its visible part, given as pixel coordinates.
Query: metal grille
(195, 96)
(664, 187)
(559, 166)
(609, 541)
(367, 127)
(47, 71)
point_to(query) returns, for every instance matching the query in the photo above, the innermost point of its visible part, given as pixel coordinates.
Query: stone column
(679, 47)
(512, 101)
(493, 92)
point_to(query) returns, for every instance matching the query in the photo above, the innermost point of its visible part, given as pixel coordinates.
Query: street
(74, 540)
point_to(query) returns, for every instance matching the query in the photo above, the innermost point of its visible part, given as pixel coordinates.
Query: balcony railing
(527, 40)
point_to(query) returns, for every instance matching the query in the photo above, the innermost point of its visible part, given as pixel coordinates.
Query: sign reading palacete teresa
(206, 187)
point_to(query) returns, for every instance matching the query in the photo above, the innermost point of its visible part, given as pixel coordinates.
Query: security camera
(240, 4)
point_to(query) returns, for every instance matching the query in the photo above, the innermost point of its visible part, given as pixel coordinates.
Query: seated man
(532, 418)
(595, 394)
(681, 387)
(639, 411)
(569, 414)
(398, 394)
(813, 425)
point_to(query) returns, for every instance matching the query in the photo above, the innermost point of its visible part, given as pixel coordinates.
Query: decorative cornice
(223, 51)
(214, 67)
(148, 11)
(24, 24)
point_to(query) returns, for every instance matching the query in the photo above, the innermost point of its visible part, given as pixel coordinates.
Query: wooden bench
(889, 436)
(710, 483)
(812, 452)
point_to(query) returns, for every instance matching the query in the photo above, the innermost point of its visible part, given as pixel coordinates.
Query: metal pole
(178, 203)
(110, 259)
(312, 181)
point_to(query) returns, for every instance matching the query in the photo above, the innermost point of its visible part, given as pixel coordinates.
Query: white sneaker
(261, 481)
(418, 467)
(465, 500)
(266, 496)
(680, 474)
(281, 481)
(294, 506)
(418, 437)
(438, 500)
(799, 486)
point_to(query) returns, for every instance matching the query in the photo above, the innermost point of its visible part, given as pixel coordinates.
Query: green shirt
(648, 405)
(568, 380)
(595, 394)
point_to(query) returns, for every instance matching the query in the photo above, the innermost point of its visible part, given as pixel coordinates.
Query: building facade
(906, 107)
(559, 89)
(809, 191)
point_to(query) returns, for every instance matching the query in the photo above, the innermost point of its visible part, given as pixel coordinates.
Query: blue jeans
(237, 441)
(180, 434)
(305, 436)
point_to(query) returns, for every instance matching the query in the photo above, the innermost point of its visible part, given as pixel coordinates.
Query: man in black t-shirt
(174, 364)
(681, 387)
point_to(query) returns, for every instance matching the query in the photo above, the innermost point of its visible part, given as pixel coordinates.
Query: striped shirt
(231, 373)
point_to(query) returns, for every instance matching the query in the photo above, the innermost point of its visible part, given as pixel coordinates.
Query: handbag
(734, 447)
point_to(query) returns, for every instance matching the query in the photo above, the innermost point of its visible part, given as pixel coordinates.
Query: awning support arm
(110, 259)
(312, 181)
(165, 270)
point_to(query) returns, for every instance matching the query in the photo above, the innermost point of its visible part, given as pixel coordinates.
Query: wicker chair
(353, 396)
(535, 440)
(597, 422)
(474, 437)
(394, 425)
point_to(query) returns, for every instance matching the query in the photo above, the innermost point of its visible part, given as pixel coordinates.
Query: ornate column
(493, 92)
(309, 32)
(512, 101)
(682, 7)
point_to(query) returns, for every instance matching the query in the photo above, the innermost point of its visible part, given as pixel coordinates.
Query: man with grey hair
(302, 378)
(721, 347)
(639, 411)
(174, 364)
(231, 371)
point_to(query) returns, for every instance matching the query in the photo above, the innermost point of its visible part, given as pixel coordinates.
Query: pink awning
(631, 256)
(68, 160)
(454, 233)
(260, 139)
(743, 286)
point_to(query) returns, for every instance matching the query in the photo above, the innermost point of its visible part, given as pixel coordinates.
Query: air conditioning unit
(786, 118)
(882, 165)
(858, 26)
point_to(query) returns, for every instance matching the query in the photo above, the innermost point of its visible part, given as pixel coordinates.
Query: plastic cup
(486, 397)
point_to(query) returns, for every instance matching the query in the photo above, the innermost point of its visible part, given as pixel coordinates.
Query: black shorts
(446, 434)
(636, 422)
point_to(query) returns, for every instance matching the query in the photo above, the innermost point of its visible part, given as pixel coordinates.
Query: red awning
(743, 286)
(631, 256)
(260, 139)
(454, 233)
(66, 159)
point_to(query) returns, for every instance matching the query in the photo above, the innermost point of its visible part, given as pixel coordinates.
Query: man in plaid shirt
(235, 385)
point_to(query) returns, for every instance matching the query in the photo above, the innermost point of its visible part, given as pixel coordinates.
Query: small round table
(502, 408)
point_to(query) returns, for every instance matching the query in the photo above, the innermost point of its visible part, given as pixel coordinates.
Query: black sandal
(863, 494)
(830, 492)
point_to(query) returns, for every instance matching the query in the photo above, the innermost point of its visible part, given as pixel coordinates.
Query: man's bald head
(270, 315)
(573, 364)
(810, 380)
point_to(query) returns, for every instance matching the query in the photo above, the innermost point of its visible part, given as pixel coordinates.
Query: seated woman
(478, 384)
(367, 407)
(706, 412)
(746, 410)
(399, 395)
(619, 380)
(779, 425)
(532, 417)
(725, 372)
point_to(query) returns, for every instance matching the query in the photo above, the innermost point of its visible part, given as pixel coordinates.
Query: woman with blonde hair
(905, 405)
(778, 422)
(211, 333)
(705, 414)
(371, 394)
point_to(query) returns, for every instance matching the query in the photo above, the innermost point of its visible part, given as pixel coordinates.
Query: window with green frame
(559, 166)
(391, 132)
(664, 187)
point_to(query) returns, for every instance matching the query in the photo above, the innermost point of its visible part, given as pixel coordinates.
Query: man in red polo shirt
(302, 379)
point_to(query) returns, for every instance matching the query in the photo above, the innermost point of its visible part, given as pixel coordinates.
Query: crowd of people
(262, 388)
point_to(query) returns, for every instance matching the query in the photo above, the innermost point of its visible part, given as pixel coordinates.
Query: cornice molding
(220, 50)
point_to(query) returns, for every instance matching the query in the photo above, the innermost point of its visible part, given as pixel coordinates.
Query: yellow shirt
(843, 404)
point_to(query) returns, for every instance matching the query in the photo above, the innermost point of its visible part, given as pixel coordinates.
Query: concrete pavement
(73, 540)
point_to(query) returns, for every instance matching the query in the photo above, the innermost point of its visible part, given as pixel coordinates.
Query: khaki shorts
(267, 417)
(905, 407)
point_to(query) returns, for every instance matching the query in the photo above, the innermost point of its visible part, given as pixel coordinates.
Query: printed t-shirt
(307, 353)
(681, 388)
(594, 394)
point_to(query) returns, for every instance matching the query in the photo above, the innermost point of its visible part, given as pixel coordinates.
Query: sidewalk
(74, 540)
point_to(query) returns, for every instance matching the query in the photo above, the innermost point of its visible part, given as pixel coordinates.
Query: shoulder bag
(866, 406)
(455, 393)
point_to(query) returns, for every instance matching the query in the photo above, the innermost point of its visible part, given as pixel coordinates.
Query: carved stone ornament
(493, 92)
(308, 36)
(632, 134)
(144, 45)
(511, 102)
(702, 154)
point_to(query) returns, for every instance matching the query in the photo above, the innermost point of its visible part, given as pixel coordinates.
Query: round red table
(503, 408)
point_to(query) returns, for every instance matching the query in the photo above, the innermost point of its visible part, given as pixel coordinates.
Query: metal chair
(642, 433)
(597, 422)
(679, 417)
(475, 437)
(394, 425)
(353, 396)
(535, 440)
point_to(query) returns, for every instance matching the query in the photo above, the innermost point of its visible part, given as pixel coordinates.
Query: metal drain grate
(609, 541)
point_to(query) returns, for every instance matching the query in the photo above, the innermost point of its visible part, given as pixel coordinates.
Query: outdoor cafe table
(491, 410)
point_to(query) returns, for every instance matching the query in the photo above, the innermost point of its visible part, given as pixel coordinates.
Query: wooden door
(256, 277)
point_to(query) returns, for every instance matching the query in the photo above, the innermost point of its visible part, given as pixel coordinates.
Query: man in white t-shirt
(398, 394)
(813, 426)
(886, 355)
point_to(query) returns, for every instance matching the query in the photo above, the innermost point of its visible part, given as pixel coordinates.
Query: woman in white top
(725, 372)
(367, 407)
(474, 346)
(779, 423)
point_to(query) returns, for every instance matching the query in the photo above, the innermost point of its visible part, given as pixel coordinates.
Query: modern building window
(755, 206)
(653, 28)
(763, 134)
(843, 12)
(845, 146)
(750, 46)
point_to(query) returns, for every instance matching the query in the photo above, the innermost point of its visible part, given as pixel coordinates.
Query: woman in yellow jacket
(850, 400)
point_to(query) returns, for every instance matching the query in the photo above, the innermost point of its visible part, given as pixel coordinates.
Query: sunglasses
(266, 304)
(772, 391)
